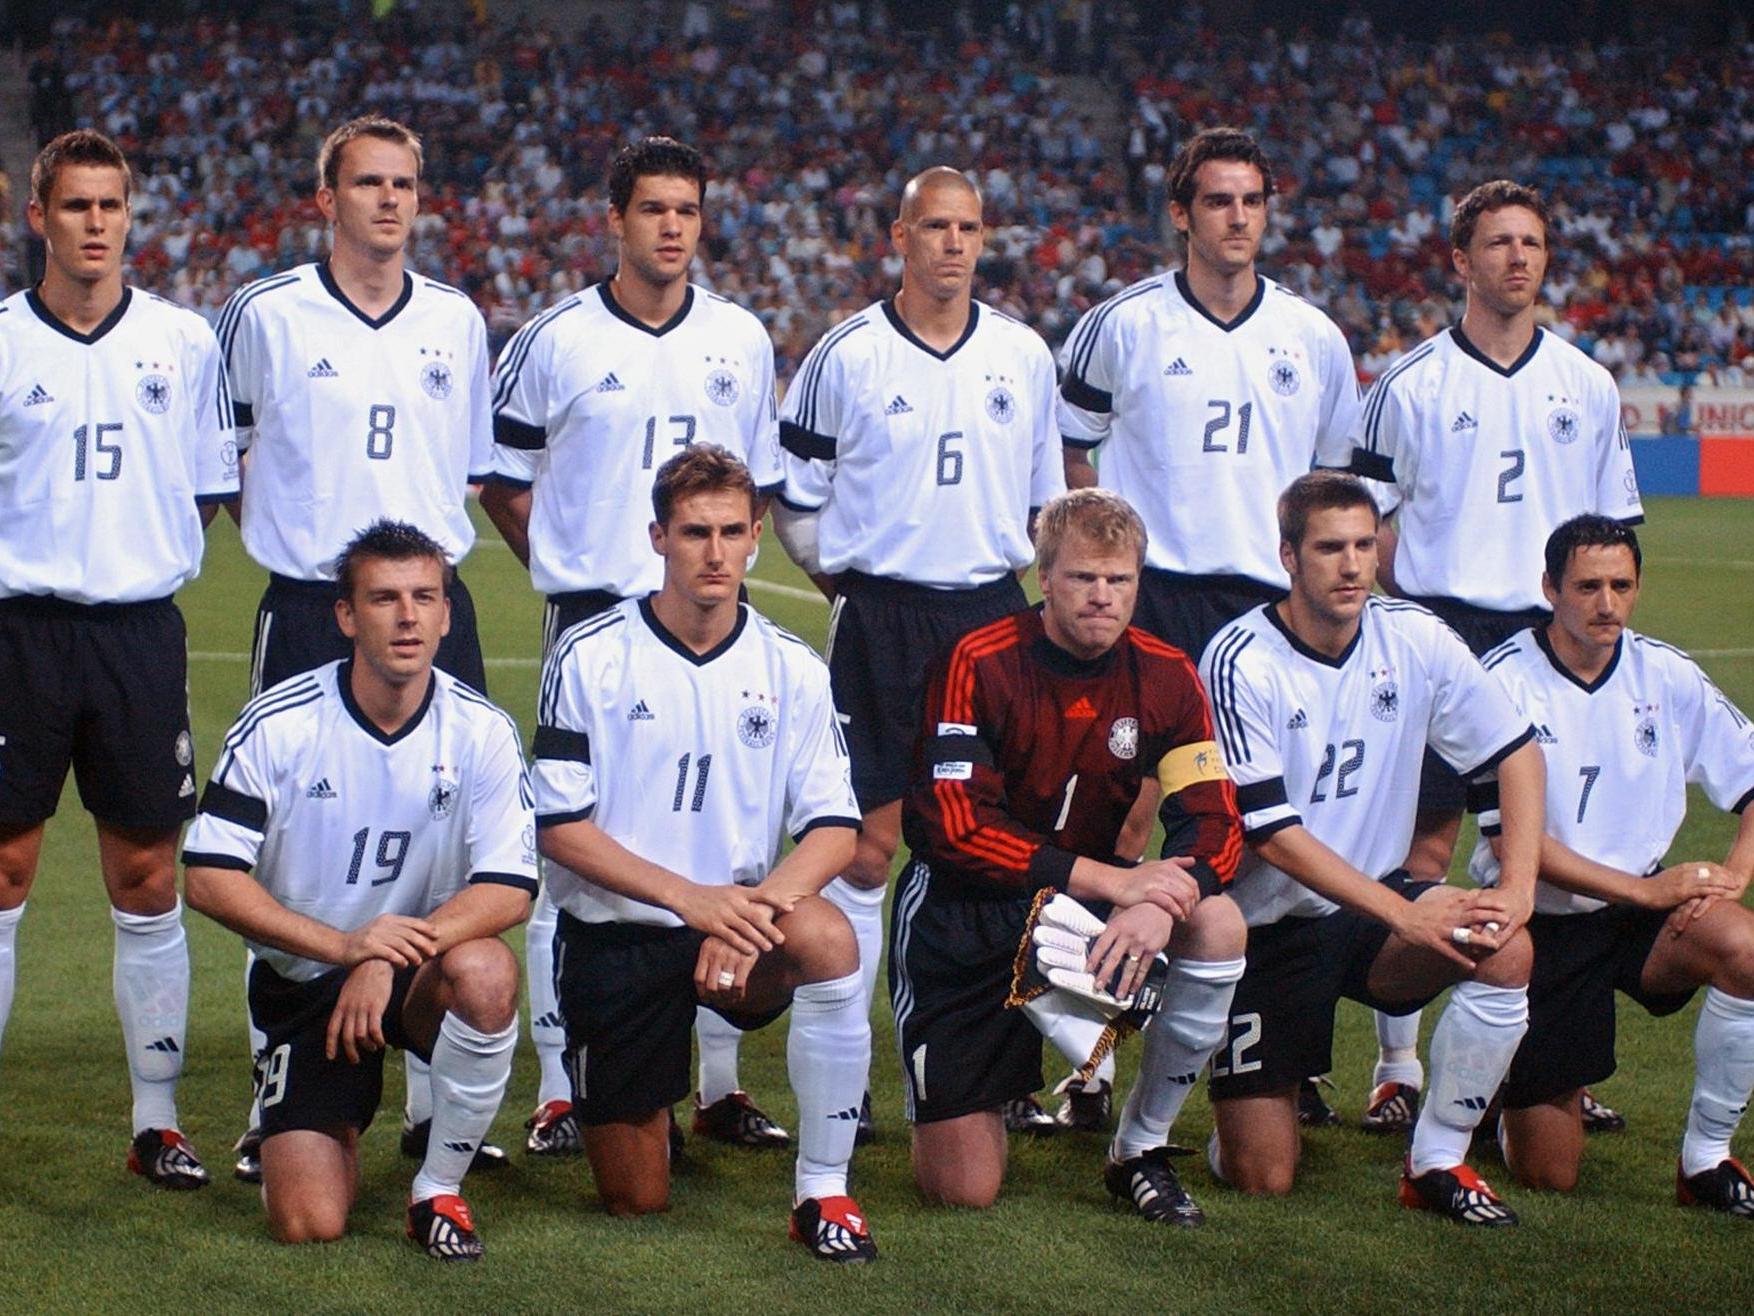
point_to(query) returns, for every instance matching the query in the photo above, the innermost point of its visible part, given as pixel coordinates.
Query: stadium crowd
(1643, 151)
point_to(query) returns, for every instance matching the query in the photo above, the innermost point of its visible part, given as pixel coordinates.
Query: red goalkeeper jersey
(1030, 758)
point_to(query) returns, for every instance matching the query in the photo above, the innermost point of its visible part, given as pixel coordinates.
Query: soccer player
(360, 391)
(1205, 391)
(1325, 703)
(1625, 722)
(1484, 437)
(1039, 728)
(369, 831)
(590, 398)
(115, 449)
(679, 737)
(919, 439)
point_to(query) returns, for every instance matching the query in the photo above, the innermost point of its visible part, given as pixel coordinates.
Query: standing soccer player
(115, 447)
(360, 391)
(1485, 437)
(1325, 703)
(369, 830)
(1625, 722)
(1039, 729)
(590, 398)
(919, 438)
(680, 737)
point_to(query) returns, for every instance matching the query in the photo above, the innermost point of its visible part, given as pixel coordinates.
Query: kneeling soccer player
(679, 737)
(1625, 722)
(384, 809)
(1325, 703)
(1039, 729)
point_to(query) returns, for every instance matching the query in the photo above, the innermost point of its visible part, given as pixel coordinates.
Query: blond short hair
(1100, 516)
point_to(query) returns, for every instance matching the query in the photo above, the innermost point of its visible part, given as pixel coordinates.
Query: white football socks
(1397, 1040)
(151, 983)
(1190, 1025)
(1471, 1050)
(864, 910)
(828, 1055)
(547, 1031)
(1723, 1058)
(9, 919)
(719, 1040)
(470, 1070)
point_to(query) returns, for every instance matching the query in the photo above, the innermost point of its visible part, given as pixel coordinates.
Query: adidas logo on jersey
(1178, 367)
(37, 396)
(640, 713)
(1299, 721)
(1082, 711)
(899, 407)
(323, 370)
(1464, 422)
(321, 791)
(610, 384)
(1544, 735)
(167, 1045)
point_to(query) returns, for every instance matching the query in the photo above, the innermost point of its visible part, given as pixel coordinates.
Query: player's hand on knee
(1680, 884)
(356, 1024)
(396, 938)
(1164, 883)
(743, 916)
(721, 973)
(1122, 954)
(1687, 913)
(1442, 926)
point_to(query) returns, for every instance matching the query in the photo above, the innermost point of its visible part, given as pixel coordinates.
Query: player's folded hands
(1164, 883)
(356, 1024)
(1434, 920)
(1122, 954)
(1696, 880)
(745, 917)
(397, 938)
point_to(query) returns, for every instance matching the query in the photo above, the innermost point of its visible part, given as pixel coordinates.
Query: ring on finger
(727, 978)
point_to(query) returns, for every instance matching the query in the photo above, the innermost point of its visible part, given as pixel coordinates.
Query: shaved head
(930, 180)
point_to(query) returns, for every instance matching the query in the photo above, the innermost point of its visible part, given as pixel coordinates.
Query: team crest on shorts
(722, 387)
(185, 749)
(1001, 406)
(154, 393)
(1385, 697)
(435, 379)
(1564, 424)
(757, 726)
(529, 840)
(442, 798)
(1283, 375)
(1123, 738)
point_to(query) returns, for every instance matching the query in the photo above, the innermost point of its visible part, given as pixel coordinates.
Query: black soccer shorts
(1581, 960)
(296, 631)
(883, 636)
(1440, 786)
(301, 1087)
(1187, 611)
(626, 993)
(950, 965)
(1282, 1018)
(103, 688)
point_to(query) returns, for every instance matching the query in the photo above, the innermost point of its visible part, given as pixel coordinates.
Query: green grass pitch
(82, 1235)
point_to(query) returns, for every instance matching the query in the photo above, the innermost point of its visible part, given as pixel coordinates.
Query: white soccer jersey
(348, 419)
(588, 403)
(696, 762)
(1336, 743)
(341, 822)
(1620, 752)
(1484, 463)
(108, 440)
(924, 464)
(1202, 424)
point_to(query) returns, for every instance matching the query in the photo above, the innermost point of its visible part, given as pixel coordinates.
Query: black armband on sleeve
(804, 443)
(960, 748)
(235, 807)
(514, 433)
(1373, 465)
(559, 743)
(1086, 396)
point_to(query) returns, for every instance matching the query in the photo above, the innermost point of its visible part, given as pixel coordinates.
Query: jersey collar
(900, 327)
(60, 326)
(334, 290)
(621, 313)
(669, 640)
(1466, 344)
(1315, 655)
(1588, 687)
(344, 684)
(1181, 286)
